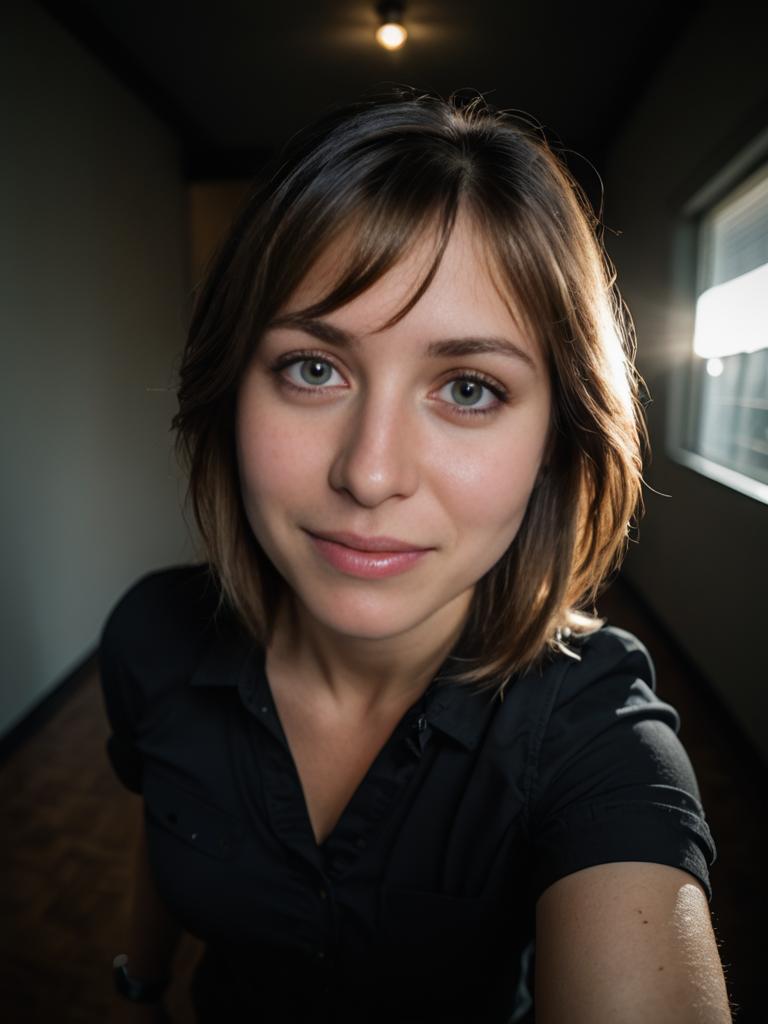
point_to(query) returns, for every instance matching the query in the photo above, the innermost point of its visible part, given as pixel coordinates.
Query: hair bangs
(380, 233)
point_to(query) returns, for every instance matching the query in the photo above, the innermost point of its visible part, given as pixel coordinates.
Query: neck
(358, 675)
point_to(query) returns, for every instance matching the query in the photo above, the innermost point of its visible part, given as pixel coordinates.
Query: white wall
(703, 552)
(92, 308)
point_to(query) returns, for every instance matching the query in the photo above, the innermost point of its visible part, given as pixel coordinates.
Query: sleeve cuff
(606, 842)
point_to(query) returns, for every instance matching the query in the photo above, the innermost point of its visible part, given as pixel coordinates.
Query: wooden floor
(68, 828)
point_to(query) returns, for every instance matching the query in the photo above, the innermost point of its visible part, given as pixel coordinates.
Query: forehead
(466, 292)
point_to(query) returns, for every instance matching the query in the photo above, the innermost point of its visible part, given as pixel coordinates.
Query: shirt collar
(459, 711)
(234, 659)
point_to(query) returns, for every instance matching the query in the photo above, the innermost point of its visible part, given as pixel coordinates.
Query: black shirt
(420, 905)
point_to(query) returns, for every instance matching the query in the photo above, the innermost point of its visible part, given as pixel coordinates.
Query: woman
(394, 768)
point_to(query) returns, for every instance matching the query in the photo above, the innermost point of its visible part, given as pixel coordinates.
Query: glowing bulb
(391, 35)
(715, 367)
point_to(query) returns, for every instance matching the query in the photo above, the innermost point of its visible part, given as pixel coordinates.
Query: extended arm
(627, 943)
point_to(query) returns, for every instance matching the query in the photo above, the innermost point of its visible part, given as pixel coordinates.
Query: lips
(367, 564)
(360, 543)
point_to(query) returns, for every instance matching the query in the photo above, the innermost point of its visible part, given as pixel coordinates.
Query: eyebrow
(465, 346)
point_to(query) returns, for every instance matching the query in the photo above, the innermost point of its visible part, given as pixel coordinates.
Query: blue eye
(311, 370)
(469, 394)
(468, 389)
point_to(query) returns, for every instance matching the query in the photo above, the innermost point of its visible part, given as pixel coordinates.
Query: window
(721, 423)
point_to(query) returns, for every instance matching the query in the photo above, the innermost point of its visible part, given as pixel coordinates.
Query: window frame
(684, 394)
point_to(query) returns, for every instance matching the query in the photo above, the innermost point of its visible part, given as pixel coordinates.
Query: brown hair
(394, 165)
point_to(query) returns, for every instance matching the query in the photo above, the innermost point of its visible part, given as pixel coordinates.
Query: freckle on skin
(661, 968)
(645, 922)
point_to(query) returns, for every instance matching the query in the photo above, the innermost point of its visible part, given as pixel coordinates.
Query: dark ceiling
(235, 77)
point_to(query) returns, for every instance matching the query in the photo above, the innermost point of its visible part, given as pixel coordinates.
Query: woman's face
(379, 436)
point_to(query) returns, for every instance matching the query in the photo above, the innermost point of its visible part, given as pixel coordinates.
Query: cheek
(489, 485)
(278, 458)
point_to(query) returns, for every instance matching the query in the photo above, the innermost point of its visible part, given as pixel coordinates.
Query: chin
(365, 624)
(376, 619)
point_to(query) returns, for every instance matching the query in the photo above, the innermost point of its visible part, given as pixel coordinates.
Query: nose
(376, 453)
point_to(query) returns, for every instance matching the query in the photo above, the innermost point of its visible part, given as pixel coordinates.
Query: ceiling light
(391, 33)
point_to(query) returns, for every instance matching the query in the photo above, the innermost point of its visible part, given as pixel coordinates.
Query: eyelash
(472, 375)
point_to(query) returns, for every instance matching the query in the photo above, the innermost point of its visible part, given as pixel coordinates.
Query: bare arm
(628, 942)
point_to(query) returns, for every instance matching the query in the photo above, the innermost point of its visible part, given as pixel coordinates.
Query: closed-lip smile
(367, 558)
(354, 540)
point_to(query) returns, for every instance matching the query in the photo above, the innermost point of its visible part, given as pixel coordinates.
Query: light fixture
(391, 33)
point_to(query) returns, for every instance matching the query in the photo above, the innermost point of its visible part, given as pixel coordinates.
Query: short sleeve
(122, 703)
(613, 781)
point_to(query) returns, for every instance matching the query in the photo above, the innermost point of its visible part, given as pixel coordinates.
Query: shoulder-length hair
(395, 166)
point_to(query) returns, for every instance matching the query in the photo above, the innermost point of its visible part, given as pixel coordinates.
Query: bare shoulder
(628, 941)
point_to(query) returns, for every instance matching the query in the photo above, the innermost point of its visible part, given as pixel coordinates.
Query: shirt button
(360, 844)
(265, 710)
(320, 954)
(323, 894)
